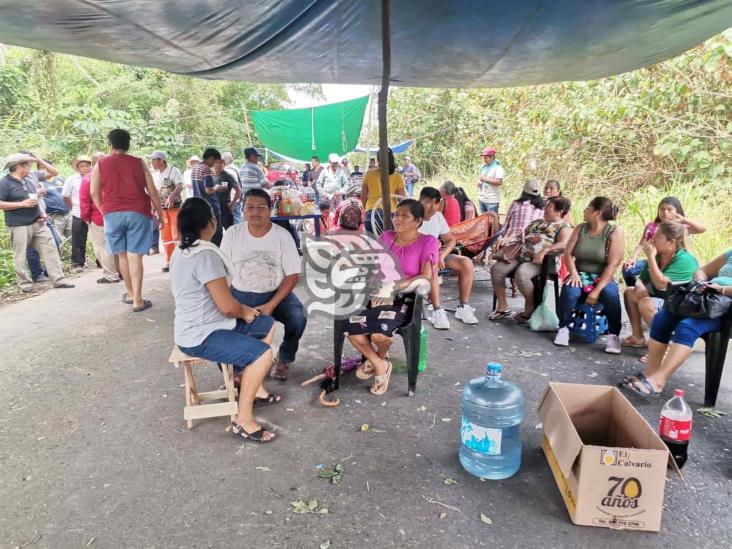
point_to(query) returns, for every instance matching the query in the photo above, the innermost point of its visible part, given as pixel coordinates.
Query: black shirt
(230, 181)
(13, 190)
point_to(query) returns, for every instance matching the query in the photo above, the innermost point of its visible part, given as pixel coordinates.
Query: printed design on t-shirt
(260, 269)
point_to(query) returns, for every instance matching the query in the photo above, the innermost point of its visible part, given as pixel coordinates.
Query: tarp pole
(383, 98)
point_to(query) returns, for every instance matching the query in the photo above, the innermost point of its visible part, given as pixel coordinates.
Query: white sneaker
(562, 337)
(613, 344)
(439, 319)
(466, 313)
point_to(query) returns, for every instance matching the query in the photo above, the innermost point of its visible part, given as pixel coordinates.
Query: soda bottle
(675, 426)
(422, 349)
(492, 411)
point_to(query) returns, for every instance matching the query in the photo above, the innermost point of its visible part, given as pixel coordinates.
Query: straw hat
(80, 158)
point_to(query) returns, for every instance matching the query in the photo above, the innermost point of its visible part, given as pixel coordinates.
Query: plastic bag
(544, 319)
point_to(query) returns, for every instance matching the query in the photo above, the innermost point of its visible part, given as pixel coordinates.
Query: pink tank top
(123, 185)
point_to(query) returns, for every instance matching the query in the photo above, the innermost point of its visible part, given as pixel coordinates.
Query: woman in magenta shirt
(371, 331)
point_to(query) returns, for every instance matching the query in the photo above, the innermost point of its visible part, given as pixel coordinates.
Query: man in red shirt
(122, 188)
(91, 215)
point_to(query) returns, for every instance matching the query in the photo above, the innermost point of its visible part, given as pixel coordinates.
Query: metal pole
(383, 98)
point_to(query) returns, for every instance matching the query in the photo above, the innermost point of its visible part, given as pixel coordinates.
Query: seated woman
(522, 211)
(542, 236)
(669, 209)
(664, 358)
(210, 323)
(668, 262)
(593, 254)
(467, 208)
(371, 331)
(449, 206)
(349, 216)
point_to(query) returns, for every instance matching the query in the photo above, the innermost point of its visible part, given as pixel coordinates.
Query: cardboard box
(608, 462)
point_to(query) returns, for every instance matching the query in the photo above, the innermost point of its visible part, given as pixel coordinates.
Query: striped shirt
(251, 176)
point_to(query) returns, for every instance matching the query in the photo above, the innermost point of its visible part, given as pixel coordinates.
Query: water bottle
(492, 411)
(675, 426)
(422, 349)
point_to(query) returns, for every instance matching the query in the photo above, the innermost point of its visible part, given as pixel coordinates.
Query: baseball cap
(17, 158)
(249, 151)
(532, 186)
(488, 152)
(159, 155)
(333, 157)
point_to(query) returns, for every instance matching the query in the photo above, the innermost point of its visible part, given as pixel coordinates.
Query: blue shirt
(54, 200)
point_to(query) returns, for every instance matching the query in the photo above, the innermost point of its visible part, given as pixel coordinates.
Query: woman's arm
(569, 254)
(711, 269)
(636, 251)
(614, 258)
(556, 248)
(658, 280)
(225, 302)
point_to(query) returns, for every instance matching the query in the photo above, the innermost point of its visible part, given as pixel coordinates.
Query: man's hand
(630, 263)
(249, 314)
(592, 297)
(169, 201)
(29, 203)
(267, 309)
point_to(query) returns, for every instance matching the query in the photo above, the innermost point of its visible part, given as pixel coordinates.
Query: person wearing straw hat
(26, 222)
(187, 180)
(79, 230)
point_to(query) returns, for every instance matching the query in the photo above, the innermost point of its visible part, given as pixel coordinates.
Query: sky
(333, 93)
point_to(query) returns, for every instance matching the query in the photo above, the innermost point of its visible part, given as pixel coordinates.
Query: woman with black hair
(372, 198)
(467, 207)
(211, 324)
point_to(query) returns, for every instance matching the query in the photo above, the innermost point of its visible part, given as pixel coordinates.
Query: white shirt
(260, 264)
(71, 190)
(188, 182)
(435, 226)
(170, 172)
(490, 193)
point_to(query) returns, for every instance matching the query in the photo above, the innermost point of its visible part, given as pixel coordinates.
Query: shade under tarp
(479, 43)
(314, 131)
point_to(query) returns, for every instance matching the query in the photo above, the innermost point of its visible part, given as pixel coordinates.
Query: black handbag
(696, 300)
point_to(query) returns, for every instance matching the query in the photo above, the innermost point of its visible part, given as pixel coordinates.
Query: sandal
(145, 306)
(126, 299)
(522, 317)
(280, 371)
(365, 370)
(495, 315)
(382, 380)
(632, 378)
(268, 400)
(257, 436)
(643, 359)
(648, 393)
(630, 341)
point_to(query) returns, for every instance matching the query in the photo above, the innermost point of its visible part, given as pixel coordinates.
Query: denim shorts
(128, 232)
(240, 346)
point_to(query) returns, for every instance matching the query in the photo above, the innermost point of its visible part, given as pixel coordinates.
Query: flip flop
(521, 318)
(365, 370)
(145, 305)
(268, 400)
(257, 436)
(634, 387)
(126, 299)
(631, 378)
(624, 343)
(496, 315)
(382, 380)
(643, 359)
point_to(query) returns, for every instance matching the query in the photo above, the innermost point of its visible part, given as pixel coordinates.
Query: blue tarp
(479, 43)
(396, 149)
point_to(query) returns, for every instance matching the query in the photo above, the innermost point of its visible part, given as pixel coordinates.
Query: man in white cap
(79, 230)
(26, 223)
(169, 183)
(333, 180)
(187, 180)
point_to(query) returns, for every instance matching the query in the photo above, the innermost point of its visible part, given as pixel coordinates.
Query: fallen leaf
(290, 409)
(450, 481)
(446, 419)
(422, 408)
(365, 427)
(443, 515)
(485, 519)
(325, 544)
(313, 504)
(538, 426)
(268, 512)
(262, 468)
(593, 374)
(711, 412)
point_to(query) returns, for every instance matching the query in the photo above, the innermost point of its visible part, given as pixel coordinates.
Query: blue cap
(494, 368)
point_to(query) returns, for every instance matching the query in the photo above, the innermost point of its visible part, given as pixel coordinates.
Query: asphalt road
(94, 451)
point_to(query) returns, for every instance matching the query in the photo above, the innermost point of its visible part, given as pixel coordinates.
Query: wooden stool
(200, 405)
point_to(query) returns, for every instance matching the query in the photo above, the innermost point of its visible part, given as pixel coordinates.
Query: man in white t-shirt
(169, 182)
(266, 269)
(434, 223)
(490, 180)
(79, 230)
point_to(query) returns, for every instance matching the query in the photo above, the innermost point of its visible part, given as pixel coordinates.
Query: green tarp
(303, 133)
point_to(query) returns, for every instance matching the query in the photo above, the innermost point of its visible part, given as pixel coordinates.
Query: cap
(227, 156)
(488, 152)
(532, 186)
(333, 157)
(159, 155)
(81, 158)
(17, 158)
(249, 151)
(494, 368)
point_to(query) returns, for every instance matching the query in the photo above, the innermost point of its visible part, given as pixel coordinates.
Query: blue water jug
(492, 411)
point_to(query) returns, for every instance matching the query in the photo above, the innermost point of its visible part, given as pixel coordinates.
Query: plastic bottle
(492, 411)
(675, 426)
(422, 349)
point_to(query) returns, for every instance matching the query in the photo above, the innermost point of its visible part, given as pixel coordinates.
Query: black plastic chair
(548, 273)
(410, 333)
(715, 354)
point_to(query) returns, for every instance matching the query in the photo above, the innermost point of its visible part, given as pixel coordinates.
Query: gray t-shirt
(196, 314)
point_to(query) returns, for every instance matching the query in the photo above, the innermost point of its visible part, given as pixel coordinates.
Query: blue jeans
(630, 275)
(374, 220)
(489, 207)
(289, 312)
(409, 188)
(155, 241)
(609, 297)
(237, 213)
(685, 330)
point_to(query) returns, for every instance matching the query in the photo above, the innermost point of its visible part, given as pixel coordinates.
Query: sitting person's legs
(632, 309)
(439, 315)
(291, 313)
(524, 276)
(463, 266)
(610, 299)
(499, 272)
